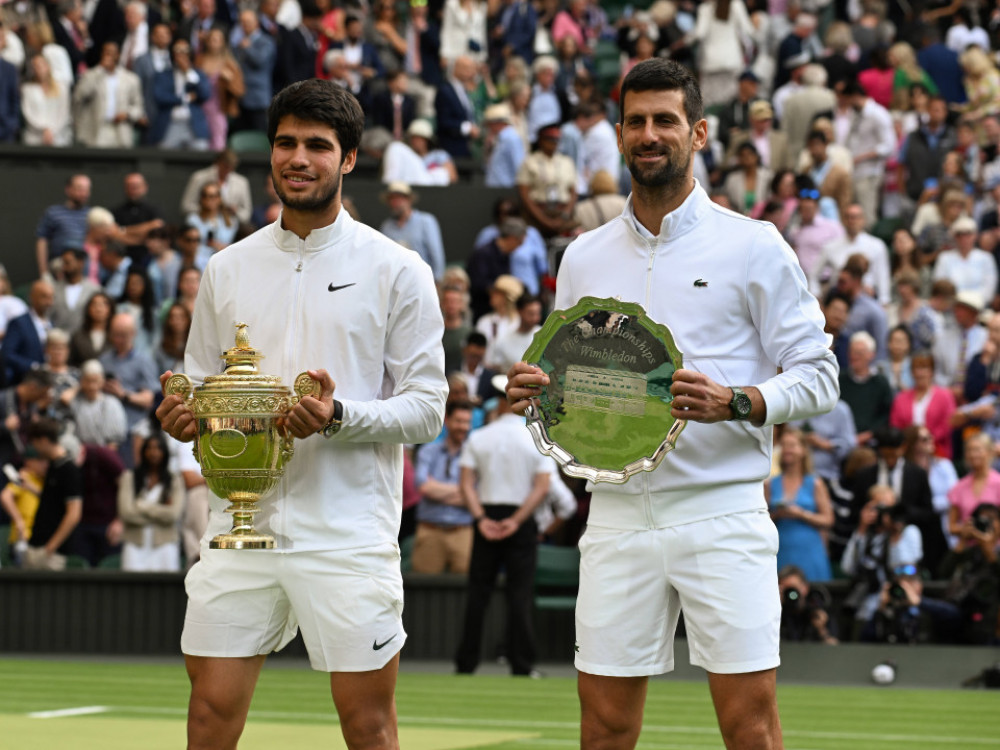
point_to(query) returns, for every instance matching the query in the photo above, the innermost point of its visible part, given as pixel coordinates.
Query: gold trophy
(241, 445)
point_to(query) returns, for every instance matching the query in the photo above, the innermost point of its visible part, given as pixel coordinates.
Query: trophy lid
(241, 364)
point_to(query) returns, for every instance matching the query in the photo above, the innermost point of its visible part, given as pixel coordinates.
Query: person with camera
(882, 543)
(805, 614)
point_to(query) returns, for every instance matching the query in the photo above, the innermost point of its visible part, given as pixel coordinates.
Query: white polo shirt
(504, 457)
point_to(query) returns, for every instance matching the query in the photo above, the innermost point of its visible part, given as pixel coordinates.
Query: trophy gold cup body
(241, 444)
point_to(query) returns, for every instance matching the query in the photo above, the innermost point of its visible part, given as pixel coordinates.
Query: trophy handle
(305, 385)
(178, 384)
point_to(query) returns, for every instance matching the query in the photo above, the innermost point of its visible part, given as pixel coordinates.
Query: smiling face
(656, 139)
(307, 167)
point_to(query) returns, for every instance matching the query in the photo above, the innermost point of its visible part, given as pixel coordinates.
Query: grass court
(53, 705)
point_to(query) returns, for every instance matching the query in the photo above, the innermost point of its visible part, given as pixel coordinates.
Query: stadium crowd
(867, 132)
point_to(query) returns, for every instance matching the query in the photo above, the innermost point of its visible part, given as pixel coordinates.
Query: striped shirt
(63, 227)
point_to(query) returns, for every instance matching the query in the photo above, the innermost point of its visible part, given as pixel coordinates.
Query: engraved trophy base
(243, 535)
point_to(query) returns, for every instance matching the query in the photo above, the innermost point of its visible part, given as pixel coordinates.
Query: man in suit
(362, 60)
(256, 53)
(456, 116)
(24, 343)
(146, 66)
(108, 103)
(297, 48)
(911, 486)
(73, 291)
(195, 27)
(235, 187)
(180, 91)
(105, 23)
(802, 106)
(394, 109)
(70, 31)
(10, 103)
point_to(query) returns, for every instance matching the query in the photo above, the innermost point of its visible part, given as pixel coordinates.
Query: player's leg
(610, 711)
(221, 689)
(747, 708)
(366, 706)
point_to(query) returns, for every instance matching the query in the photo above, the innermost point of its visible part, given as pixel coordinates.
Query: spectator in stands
(138, 215)
(982, 386)
(417, 230)
(509, 347)
(169, 353)
(805, 608)
(529, 261)
(492, 260)
(146, 66)
(298, 44)
(457, 121)
(256, 54)
(599, 150)
(422, 42)
(444, 526)
(11, 306)
(65, 379)
(866, 391)
(830, 438)
(503, 480)
(20, 406)
(872, 139)
(604, 203)
(967, 267)
(98, 418)
(225, 76)
(504, 146)
(90, 340)
(800, 508)
(386, 35)
(187, 288)
(114, 267)
(866, 314)
(19, 499)
(734, 118)
(137, 300)
(99, 533)
(180, 92)
(10, 102)
(545, 106)
(108, 104)
(362, 60)
(474, 376)
(132, 377)
(814, 231)
(897, 366)
(907, 72)
(925, 148)
(719, 29)
(463, 30)
(24, 342)
(415, 162)
(455, 311)
(60, 506)
(72, 292)
(194, 27)
(876, 281)
(802, 107)
(925, 404)
(39, 38)
(150, 502)
(772, 145)
(908, 262)
(980, 485)
(547, 184)
(919, 450)
(516, 30)
(749, 183)
(235, 187)
(982, 84)
(394, 108)
(216, 224)
(196, 506)
(45, 106)
(70, 31)
(64, 223)
(956, 345)
(833, 180)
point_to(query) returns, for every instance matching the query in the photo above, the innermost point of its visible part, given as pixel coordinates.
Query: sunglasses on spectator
(813, 194)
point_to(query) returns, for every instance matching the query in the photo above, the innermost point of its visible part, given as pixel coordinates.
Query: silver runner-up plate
(605, 414)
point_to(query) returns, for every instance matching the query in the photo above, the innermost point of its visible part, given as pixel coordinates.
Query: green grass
(144, 706)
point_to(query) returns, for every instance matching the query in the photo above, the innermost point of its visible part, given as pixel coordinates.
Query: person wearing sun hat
(506, 150)
(969, 268)
(957, 344)
(417, 230)
(415, 161)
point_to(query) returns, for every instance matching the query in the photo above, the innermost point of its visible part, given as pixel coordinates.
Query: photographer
(804, 609)
(883, 542)
(897, 619)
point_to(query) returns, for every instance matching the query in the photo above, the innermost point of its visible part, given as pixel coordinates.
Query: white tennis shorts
(348, 604)
(721, 572)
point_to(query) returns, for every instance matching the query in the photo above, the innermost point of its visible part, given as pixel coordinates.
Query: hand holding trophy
(241, 444)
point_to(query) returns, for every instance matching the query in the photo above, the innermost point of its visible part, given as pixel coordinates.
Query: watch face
(741, 405)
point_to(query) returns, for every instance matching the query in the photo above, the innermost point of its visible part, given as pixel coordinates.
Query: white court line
(59, 713)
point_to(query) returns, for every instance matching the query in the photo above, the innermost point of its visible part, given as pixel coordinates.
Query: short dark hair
(320, 101)
(527, 299)
(659, 74)
(452, 406)
(816, 135)
(44, 429)
(39, 376)
(475, 338)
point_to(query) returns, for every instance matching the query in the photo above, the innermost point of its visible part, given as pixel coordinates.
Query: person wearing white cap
(967, 267)
(417, 230)
(414, 162)
(957, 344)
(544, 106)
(504, 145)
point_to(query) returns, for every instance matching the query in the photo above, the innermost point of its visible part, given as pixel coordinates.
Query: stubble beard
(309, 204)
(669, 175)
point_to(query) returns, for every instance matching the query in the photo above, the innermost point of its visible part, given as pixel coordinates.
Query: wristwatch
(741, 405)
(332, 427)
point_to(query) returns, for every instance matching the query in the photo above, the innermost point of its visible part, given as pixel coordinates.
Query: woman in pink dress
(925, 404)
(980, 485)
(217, 62)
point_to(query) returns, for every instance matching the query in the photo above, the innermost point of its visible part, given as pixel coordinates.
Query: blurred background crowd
(866, 131)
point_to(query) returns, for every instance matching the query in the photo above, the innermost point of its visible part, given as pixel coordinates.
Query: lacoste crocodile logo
(700, 282)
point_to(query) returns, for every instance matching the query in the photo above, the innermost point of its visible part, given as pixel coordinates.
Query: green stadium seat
(75, 562)
(557, 577)
(250, 141)
(111, 562)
